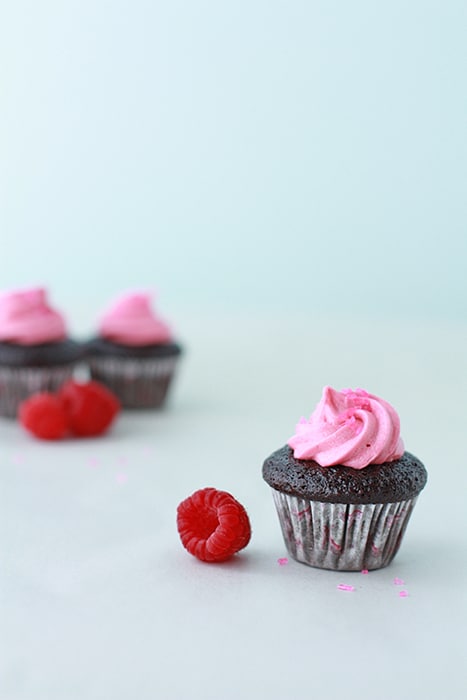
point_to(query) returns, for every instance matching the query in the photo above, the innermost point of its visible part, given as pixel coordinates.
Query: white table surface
(99, 601)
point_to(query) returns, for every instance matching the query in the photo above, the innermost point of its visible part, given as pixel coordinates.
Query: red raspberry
(43, 415)
(213, 526)
(90, 408)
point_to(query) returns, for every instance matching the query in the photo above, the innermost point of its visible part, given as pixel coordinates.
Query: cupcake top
(130, 320)
(350, 427)
(349, 451)
(27, 319)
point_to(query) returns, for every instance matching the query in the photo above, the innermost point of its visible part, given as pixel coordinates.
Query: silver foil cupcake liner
(343, 537)
(18, 383)
(137, 383)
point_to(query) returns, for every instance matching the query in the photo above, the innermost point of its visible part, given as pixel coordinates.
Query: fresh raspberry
(90, 408)
(213, 526)
(43, 416)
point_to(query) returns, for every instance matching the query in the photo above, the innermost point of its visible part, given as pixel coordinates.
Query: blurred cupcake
(35, 352)
(134, 354)
(343, 486)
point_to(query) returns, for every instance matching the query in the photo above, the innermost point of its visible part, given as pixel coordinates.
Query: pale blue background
(274, 155)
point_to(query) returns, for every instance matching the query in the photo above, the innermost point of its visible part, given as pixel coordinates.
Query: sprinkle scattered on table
(282, 561)
(345, 587)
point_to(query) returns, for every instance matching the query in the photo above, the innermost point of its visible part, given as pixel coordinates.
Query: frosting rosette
(349, 427)
(27, 319)
(131, 321)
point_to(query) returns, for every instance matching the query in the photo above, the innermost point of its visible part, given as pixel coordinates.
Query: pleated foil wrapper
(342, 537)
(18, 383)
(137, 383)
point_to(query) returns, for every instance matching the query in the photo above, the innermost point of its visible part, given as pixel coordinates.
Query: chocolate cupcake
(35, 352)
(134, 354)
(343, 486)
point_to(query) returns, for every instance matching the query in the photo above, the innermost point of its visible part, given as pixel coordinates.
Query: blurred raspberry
(43, 416)
(90, 408)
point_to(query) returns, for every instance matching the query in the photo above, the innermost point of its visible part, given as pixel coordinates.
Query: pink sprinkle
(282, 561)
(393, 518)
(347, 415)
(355, 514)
(361, 392)
(345, 587)
(352, 516)
(357, 399)
(93, 462)
(403, 594)
(398, 582)
(299, 513)
(122, 478)
(337, 547)
(364, 571)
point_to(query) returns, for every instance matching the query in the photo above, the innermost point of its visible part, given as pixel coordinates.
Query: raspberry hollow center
(205, 523)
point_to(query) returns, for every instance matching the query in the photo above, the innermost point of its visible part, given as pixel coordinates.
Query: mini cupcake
(134, 354)
(343, 486)
(35, 352)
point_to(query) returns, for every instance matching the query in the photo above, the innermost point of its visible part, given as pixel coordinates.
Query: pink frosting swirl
(27, 319)
(352, 428)
(131, 321)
